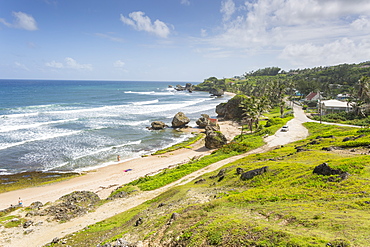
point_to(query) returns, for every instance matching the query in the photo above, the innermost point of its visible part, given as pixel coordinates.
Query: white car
(285, 128)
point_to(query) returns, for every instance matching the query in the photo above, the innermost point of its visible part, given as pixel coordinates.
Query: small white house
(333, 106)
(313, 96)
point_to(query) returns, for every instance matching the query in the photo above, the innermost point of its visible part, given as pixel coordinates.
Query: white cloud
(227, 9)
(185, 2)
(118, 64)
(294, 27)
(140, 22)
(54, 64)
(362, 23)
(22, 21)
(69, 63)
(340, 51)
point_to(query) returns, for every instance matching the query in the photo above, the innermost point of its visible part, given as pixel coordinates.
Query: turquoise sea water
(81, 125)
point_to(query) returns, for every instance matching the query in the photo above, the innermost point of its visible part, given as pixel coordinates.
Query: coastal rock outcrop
(180, 120)
(216, 92)
(188, 87)
(231, 109)
(215, 139)
(158, 125)
(212, 127)
(72, 205)
(203, 121)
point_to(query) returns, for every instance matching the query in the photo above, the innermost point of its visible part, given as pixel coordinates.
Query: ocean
(50, 125)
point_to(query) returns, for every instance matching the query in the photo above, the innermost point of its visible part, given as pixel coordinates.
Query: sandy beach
(104, 180)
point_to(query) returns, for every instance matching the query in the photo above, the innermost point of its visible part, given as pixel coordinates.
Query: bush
(274, 121)
(234, 147)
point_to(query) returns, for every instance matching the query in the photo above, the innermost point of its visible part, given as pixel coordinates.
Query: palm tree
(253, 108)
(363, 92)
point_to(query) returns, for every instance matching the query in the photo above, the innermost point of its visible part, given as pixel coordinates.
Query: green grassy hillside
(288, 205)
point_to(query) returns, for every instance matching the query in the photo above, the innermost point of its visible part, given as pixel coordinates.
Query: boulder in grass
(180, 120)
(251, 174)
(326, 170)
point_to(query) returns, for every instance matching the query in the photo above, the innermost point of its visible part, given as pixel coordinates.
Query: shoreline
(104, 180)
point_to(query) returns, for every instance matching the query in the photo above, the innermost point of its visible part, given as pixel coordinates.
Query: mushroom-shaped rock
(180, 120)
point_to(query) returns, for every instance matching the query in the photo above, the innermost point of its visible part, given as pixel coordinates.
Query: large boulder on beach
(180, 120)
(158, 125)
(215, 139)
(203, 121)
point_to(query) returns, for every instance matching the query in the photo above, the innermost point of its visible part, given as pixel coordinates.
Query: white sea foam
(152, 93)
(34, 125)
(137, 123)
(46, 137)
(107, 149)
(149, 102)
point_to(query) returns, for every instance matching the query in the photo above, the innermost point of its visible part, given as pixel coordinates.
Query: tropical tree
(363, 92)
(252, 108)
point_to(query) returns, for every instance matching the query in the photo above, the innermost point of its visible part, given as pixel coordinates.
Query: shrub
(274, 121)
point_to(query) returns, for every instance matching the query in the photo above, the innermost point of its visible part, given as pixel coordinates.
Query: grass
(286, 206)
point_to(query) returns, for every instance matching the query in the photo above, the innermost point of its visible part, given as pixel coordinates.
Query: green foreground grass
(286, 206)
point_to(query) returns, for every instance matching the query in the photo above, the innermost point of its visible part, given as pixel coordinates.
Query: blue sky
(177, 40)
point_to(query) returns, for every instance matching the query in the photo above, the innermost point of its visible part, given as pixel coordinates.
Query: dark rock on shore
(158, 125)
(203, 121)
(251, 174)
(188, 87)
(216, 92)
(180, 120)
(212, 128)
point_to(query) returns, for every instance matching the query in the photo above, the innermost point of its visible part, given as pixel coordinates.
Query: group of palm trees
(360, 97)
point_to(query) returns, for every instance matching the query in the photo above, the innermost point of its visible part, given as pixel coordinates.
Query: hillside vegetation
(288, 205)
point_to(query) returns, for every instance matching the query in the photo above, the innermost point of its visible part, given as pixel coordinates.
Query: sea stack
(180, 120)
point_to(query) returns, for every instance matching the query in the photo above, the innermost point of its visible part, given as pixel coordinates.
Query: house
(333, 106)
(343, 96)
(312, 96)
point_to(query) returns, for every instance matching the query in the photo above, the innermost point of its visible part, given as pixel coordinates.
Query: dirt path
(44, 233)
